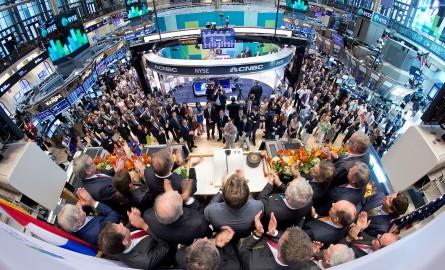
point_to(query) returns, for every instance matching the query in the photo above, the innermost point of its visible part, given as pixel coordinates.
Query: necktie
(138, 234)
(375, 211)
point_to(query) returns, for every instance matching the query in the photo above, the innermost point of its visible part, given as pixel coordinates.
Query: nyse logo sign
(379, 18)
(244, 69)
(202, 71)
(365, 13)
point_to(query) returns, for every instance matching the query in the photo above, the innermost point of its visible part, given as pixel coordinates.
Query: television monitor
(338, 39)
(429, 17)
(89, 79)
(45, 115)
(76, 95)
(224, 38)
(136, 8)
(60, 107)
(373, 80)
(297, 5)
(64, 36)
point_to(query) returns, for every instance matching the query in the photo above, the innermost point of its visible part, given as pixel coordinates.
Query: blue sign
(89, 81)
(76, 95)
(379, 18)
(367, 13)
(45, 115)
(60, 107)
(422, 41)
(218, 38)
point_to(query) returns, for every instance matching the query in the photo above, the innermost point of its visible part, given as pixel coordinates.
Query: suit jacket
(255, 254)
(319, 190)
(185, 133)
(221, 122)
(335, 194)
(102, 190)
(247, 128)
(156, 184)
(255, 120)
(91, 230)
(176, 125)
(379, 224)
(342, 166)
(190, 226)
(233, 109)
(321, 231)
(285, 216)
(210, 115)
(367, 240)
(227, 254)
(147, 254)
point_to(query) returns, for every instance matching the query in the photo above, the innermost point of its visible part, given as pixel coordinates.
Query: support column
(54, 7)
(137, 61)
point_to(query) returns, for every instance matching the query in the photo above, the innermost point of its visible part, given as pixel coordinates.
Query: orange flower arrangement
(304, 158)
(108, 161)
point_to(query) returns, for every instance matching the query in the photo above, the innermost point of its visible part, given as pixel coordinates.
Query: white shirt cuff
(96, 204)
(190, 201)
(255, 237)
(275, 234)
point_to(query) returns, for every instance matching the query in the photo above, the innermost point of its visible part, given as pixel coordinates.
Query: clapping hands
(224, 236)
(85, 198)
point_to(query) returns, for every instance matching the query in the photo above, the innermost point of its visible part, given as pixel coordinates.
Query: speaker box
(8, 129)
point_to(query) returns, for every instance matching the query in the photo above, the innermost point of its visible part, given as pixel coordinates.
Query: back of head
(235, 191)
(121, 182)
(296, 248)
(162, 162)
(345, 213)
(361, 176)
(202, 255)
(341, 254)
(359, 142)
(168, 207)
(299, 193)
(109, 240)
(68, 218)
(327, 171)
(81, 166)
(400, 204)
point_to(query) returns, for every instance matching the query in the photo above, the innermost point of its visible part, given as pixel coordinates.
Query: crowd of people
(315, 221)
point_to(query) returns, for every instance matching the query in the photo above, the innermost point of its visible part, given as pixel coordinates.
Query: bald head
(342, 213)
(168, 207)
(383, 240)
(358, 143)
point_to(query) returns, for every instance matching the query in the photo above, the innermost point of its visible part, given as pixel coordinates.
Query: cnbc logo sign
(365, 13)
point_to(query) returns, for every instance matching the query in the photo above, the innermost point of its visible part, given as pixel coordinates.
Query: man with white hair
(74, 220)
(335, 255)
(290, 209)
(172, 222)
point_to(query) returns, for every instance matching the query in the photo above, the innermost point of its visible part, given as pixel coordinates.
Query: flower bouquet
(107, 162)
(302, 159)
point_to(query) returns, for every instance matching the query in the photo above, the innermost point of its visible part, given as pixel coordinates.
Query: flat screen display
(338, 39)
(76, 95)
(429, 17)
(89, 81)
(297, 5)
(45, 115)
(60, 107)
(218, 38)
(136, 8)
(64, 36)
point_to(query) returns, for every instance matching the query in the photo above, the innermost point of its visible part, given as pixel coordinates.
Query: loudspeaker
(8, 129)
(435, 113)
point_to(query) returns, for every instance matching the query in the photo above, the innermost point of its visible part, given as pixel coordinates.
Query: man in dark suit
(73, 219)
(320, 180)
(358, 151)
(221, 121)
(248, 107)
(161, 170)
(175, 124)
(215, 253)
(255, 120)
(293, 208)
(256, 91)
(137, 249)
(219, 99)
(173, 223)
(158, 131)
(333, 228)
(99, 186)
(164, 122)
(210, 116)
(358, 177)
(362, 243)
(187, 134)
(233, 107)
(275, 251)
(382, 209)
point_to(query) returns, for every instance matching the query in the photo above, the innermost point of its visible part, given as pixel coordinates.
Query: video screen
(64, 36)
(76, 95)
(212, 39)
(297, 5)
(60, 107)
(338, 39)
(429, 18)
(136, 8)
